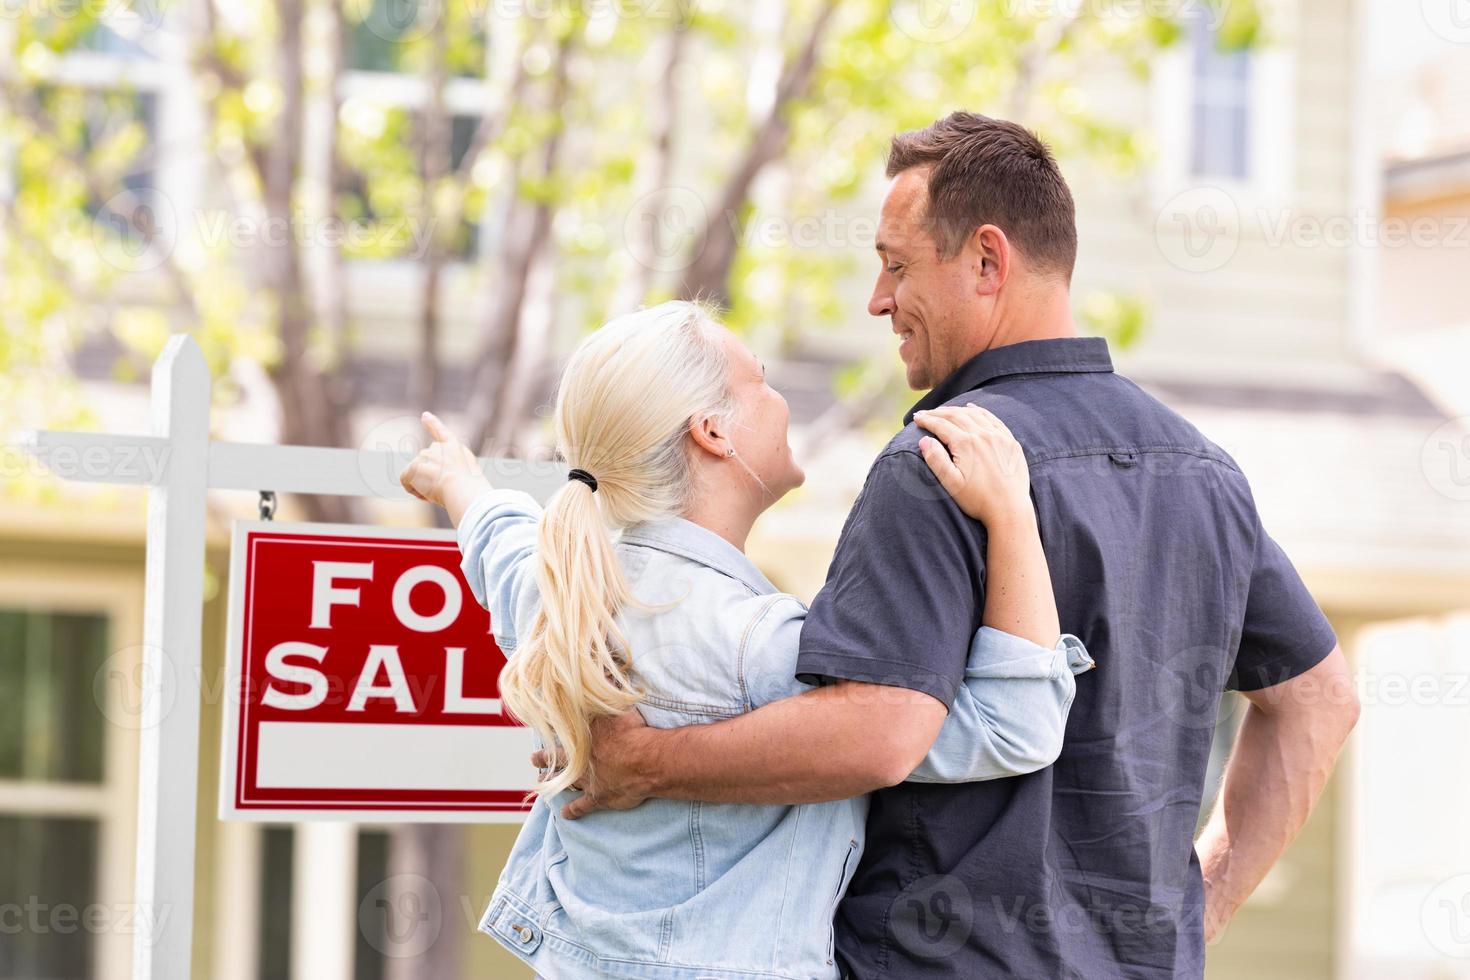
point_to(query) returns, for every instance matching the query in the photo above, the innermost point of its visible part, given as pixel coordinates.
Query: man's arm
(831, 743)
(886, 642)
(1286, 748)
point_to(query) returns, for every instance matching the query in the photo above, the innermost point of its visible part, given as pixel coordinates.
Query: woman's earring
(730, 451)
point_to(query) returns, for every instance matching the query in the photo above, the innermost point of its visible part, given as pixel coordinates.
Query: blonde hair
(622, 414)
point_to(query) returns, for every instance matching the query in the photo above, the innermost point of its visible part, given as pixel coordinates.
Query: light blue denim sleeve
(1009, 716)
(497, 544)
(768, 651)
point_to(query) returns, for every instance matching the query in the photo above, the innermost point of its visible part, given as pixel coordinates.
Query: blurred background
(365, 208)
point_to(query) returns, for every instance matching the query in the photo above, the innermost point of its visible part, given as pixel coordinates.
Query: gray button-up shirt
(1161, 566)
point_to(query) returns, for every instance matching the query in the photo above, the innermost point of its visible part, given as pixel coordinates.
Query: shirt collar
(677, 536)
(1063, 355)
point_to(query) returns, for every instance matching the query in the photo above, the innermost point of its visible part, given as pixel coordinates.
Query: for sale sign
(362, 682)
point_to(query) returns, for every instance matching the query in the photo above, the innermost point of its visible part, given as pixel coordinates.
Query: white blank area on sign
(306, 755)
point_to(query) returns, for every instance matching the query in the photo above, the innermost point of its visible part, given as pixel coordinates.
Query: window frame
(1270, 179)
(117, 596)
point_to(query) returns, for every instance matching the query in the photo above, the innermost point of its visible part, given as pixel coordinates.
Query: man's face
(933, 303)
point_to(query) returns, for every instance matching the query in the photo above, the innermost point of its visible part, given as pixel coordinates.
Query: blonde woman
(677, 445)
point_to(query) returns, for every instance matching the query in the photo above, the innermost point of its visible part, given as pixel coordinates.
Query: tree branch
(527, 232)
(433, 154)
(709, 275)
(635, 288)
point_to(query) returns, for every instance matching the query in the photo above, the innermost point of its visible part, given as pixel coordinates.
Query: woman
(677, 442)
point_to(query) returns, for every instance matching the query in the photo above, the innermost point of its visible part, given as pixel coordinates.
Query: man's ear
(709, 435)
(990, 257)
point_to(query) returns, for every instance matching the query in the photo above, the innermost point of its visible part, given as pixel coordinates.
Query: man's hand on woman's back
(615, 780)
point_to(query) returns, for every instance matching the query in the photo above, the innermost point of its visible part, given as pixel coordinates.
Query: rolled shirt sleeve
(497, 544)
(1285, 632)
(1010, 715)
(905, 590)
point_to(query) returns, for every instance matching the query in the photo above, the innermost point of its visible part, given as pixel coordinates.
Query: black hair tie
(584, 477)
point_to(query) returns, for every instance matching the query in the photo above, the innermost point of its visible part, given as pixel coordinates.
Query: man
(1159, 562)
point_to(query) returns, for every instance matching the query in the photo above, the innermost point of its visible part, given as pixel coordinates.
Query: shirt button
(525, 934)
(1123, 459)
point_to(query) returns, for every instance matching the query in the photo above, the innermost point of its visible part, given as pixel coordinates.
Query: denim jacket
(674, 890)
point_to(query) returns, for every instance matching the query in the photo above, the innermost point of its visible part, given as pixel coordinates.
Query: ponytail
(573, 665)
(622, 414)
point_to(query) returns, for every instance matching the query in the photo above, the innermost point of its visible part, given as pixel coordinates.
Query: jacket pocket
(847, 869)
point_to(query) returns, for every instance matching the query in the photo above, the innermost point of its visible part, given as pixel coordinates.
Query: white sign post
(179, 463)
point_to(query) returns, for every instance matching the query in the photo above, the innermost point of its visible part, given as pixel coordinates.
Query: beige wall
(1276, 304)
(1424, 283)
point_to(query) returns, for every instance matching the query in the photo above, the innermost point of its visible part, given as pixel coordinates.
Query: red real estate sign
(362, 682)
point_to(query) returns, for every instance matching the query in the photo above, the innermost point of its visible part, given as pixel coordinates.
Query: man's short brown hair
(990, 171)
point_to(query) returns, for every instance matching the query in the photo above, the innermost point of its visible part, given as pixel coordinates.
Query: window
(392, 36)
(280, 849)
(278, 845)
(1226, 118)
(107, 118)
(47, 870)
(52, 745)
(369, 961)
(1220, 114)
(108, 39)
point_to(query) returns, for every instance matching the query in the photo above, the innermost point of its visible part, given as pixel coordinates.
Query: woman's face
(760, 431)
